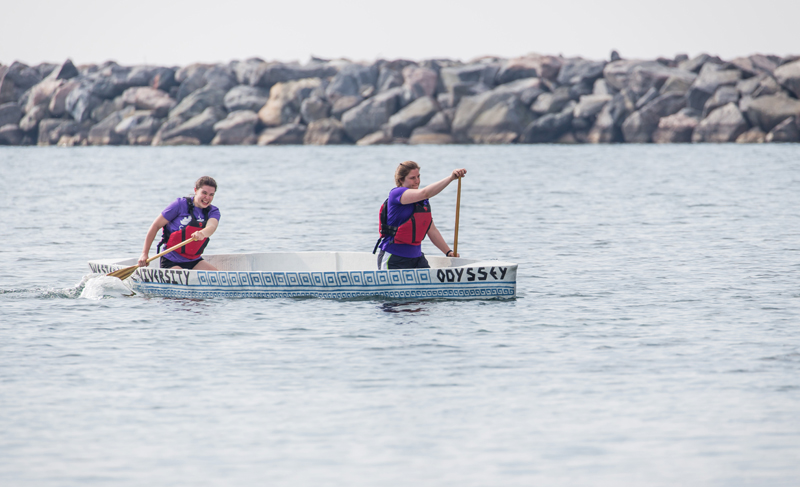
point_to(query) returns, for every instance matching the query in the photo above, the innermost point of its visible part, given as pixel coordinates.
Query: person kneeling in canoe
(188, 217)
(405, 219)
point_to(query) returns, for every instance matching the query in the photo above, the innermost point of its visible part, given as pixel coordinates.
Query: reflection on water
(401, 308)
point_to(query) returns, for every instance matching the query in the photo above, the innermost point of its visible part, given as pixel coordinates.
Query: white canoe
(321, 274)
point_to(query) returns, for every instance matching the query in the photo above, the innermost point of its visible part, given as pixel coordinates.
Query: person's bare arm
(413, 195)
(148, 239)
(208, 231)
(436, 237)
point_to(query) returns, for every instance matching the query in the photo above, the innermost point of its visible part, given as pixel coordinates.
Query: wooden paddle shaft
(176, 247)
(128, 271)
(458, 207)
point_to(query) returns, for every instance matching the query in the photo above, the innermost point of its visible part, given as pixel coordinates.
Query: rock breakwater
(530, 99)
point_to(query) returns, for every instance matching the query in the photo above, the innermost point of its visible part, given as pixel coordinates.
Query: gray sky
(164, 32)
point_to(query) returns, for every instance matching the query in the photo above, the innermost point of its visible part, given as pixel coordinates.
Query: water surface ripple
(654, 341)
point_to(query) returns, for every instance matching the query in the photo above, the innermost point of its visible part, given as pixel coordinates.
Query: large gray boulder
(389, 76)
(617, 74)
(440, 123)
(419, 81)
(51, 130)
(526, 89)
(249, 71)
(17, 79)
(788, 76)
(110, 80)
(759, 85)
(58, 102)
(30, 122)
(417, 114)
(786, 131)
(197, 102)
(376, 138)
(530, 66)
(606, 128)
(352, 80)
(471, 108)
(640, 125)
(496, 114)
(267, 74)
(585, 112)
(200, 127)
(285, 101)
(327, 131)
(678, 84)
(723, 96)
(291, 133)
(204, 76)
(81, 100)
(371, 114)
(753, 136)
(45, 69)
(724, 124)
(106, 108)
(549, 127)
(146, 98)
(315, 108)
(104, 132)
(67, 70)
(768, 111)
(589, 106)
(10, 113)
(676, 128)
(238, 128)
(654, 75)
(139, 128)
(551, 102)
(11, 134)
(471, 74)
(696, 63)
(755, 64)
(608, 123)
(156, 77)
(711, 77)
(500, 123)
(345, 103)
(580, 71)
(41, 93)
(245, 97)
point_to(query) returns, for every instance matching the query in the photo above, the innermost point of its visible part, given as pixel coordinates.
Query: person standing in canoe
(405, 220)
(188, 217)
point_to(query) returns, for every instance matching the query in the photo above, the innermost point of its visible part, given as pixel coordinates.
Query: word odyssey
(456, 274)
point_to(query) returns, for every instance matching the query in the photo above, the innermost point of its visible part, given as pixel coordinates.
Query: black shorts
(397, 262)
(166, 263)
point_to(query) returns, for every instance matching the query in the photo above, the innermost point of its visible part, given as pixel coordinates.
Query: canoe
(323, 275)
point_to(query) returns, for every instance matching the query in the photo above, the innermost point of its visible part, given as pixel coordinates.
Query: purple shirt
(397, 214)
(178, 215)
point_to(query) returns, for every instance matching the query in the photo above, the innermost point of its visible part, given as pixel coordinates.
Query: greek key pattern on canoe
(316, 279)
(428, 293)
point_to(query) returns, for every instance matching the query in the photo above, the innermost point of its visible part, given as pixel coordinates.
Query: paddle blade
(123, 274)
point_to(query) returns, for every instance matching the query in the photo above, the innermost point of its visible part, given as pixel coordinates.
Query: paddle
(458, 206)
(125, 273)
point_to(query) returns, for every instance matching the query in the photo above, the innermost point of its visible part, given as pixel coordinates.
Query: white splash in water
(103, 286)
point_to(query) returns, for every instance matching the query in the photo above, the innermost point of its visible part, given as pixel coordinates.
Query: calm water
(655, 340)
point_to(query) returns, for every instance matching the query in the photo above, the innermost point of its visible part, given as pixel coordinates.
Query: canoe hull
(477, 280)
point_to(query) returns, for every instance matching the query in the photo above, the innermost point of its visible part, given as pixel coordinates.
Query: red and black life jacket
(194, 249)
(410, 232)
